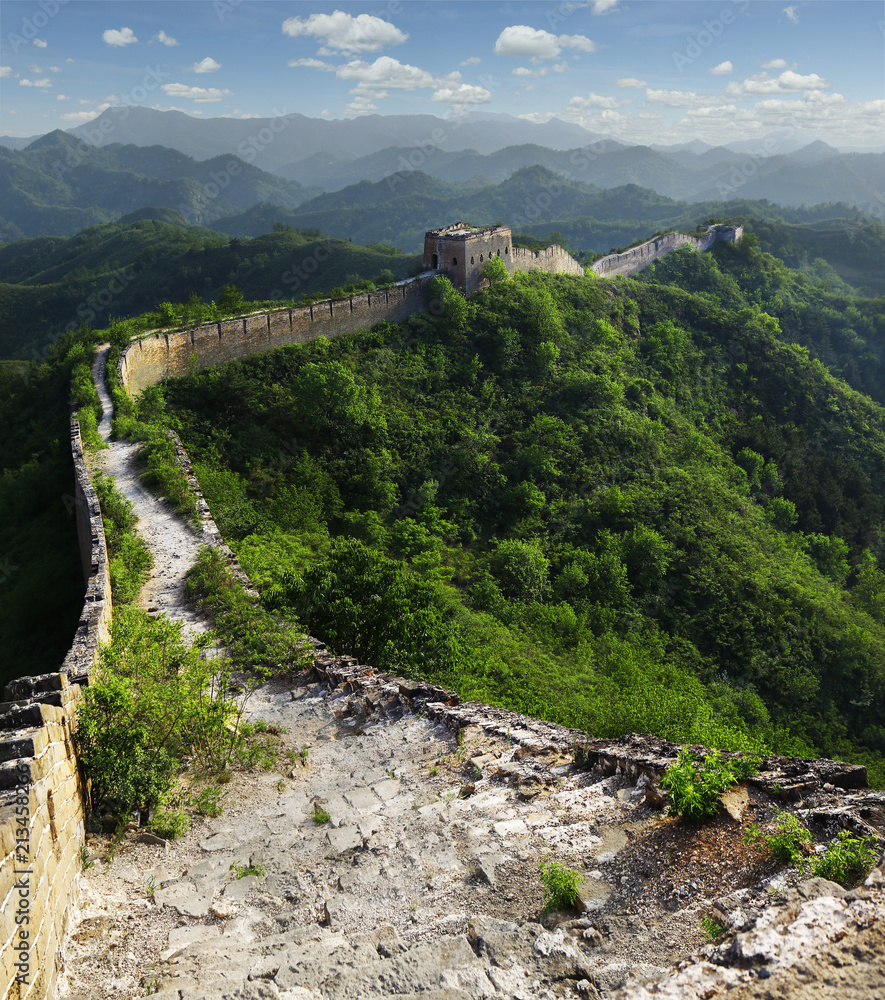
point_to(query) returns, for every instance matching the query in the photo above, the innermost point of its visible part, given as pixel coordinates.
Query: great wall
(525, 794)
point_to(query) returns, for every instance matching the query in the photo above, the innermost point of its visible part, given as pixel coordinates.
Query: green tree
(369, 606)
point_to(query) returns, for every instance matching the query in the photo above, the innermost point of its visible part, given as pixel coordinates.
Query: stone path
(423, 881)
(173, 543)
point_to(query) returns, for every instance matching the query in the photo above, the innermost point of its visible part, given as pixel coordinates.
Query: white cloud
(464, 94)
(390, 74)
(166, 40)
(201, 95)
(604, 6)
(312, 64)
(472, 61)
(5, 71)
(775, 64)
(360, 105)
(519, 41)
(55, 69)
(592, 101)
(45, 82)
(525, 71)
(789, 82)
(36, 69)
(40, 43)
(207, 65)
(792, 13)
(560, 67)
(117, 39)
(78, 116)
(632, 82)
(712, 111)
(529, 88)
(341, 32)
(325, 112)
(675, 98)
(723, 69)
(61, 97)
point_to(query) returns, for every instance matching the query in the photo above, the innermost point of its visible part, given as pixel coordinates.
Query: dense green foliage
(41, 579)
(121, 270)
(128, 554)
(846, 333)
(639, 508)
(153, 702)
(257, 642)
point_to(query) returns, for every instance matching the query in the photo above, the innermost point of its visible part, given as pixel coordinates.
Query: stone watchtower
(461, 251)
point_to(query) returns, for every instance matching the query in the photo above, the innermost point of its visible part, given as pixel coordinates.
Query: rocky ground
(391, 849)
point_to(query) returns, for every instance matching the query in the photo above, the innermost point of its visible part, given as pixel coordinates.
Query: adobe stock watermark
(222, 8)
(712, 29)
(22, 873)
(33, 25)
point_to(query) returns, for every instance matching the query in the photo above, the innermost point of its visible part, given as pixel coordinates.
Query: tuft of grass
(169, 823)
(847, 859)
(712, 928)
(242, 871)
(320, 816)
(562, 884)
(208, 802)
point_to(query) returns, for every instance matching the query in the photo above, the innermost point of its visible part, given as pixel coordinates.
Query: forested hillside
(625, 506)
(58, 185)
(119, 270)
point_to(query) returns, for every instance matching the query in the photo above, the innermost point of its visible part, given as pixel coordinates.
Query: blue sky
(640, 70)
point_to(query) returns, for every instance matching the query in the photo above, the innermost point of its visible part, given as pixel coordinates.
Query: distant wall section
(637, 258)
(169, 355)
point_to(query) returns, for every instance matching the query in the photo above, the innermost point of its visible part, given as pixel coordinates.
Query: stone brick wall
(553, 260)
(637, 258)
(168, 355)
(42, 811)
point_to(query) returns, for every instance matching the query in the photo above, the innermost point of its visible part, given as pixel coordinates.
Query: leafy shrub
(257, 641)
(369, 606)
(153, 701)
(790, 841)
(847, 859)
(320, 816)
(129, 556)
(562, 884)
(171, 824)
(695, 784)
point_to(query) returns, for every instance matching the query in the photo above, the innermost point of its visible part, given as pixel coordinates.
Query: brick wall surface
(42, 812)
(169, 355)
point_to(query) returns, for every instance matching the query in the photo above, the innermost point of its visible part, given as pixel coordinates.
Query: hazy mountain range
(60, 184)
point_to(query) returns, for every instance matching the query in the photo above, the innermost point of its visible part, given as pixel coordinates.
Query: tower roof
(464, 231)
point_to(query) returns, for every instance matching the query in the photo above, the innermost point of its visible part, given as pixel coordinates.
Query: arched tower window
(434, 262)
(472, 261)
(480, 258)
(454, 261)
